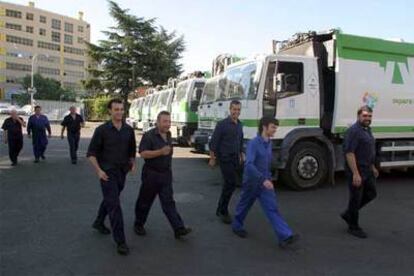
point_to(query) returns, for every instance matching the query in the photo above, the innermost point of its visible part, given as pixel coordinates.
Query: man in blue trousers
(257, 184)
(36, 128)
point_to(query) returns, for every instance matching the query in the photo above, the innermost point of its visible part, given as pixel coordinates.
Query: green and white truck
(184, 106)
(314, 85)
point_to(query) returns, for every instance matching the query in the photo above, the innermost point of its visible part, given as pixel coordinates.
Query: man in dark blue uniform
(13, 135)
(112, 153)
(156, 149)
(37, 126)
(73, 122)
(359, 148)
(226, 146)
(257, 184)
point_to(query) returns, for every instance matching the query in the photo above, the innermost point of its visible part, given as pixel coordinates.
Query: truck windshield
(163, 98)
(198, 91)
(181, 91)
(239, 82)
(209, 92)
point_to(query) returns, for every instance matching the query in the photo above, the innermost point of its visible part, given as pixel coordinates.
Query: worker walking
(13, 135)
(37, 126)
(73, 122)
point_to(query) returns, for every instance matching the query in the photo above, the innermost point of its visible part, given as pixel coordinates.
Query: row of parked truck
(313, 83)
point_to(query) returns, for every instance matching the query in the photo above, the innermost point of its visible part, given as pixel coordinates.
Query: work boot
(122, 249)
(140, 230)
(357, 232)
(241, 233)
(289, 241)
(225, 218)
(100, 226)
(183, 231)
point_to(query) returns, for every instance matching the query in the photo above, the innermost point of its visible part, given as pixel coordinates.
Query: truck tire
(307, 166)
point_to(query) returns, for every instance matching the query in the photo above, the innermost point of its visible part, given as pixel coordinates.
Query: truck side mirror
(279, 83)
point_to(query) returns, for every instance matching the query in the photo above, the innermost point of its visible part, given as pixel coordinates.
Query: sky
(246, 28)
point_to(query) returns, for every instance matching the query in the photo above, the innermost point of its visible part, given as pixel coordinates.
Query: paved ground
(46, 211)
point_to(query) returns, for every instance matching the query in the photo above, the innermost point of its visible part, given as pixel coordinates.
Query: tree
(135, 53)
(47, 89)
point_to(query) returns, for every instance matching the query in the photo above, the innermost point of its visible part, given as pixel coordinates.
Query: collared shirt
(257, 167)
(152, 140)
(73, 124)
(13, 127)
(227, 139)
(360, 141)
(38, 125)
(113, 148)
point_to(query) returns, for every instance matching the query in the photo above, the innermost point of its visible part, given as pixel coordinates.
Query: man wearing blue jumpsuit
(36, 128)
(257, 184)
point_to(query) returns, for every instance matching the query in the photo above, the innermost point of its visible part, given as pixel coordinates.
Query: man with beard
(359, 148)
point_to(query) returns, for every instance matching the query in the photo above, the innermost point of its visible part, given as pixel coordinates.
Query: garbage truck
(314, 84)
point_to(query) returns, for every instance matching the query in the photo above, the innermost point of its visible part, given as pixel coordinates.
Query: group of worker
(39, 130)
(112, 153)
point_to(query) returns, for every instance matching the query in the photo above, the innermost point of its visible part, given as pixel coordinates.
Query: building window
(42, 19)
(13, 13)
(55, 36)
(73, 50)
(29, 29)
(80, 29)
(56, 24)
(18, 67)
(51, 59)
(80, 40)
(49, 46)
(48, 71)
(77, 74)
(29, 16)
(68, 27)
(68, 39)
(74, 62)
(19, 40)
(14, 26)
(42, 31)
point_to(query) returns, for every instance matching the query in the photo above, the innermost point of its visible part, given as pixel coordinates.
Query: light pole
(32, 89)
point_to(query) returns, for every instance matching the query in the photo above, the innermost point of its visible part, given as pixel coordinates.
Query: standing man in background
(359, 148)
(13, 135)
(112, 153)
(37, 126)
(73, 122)
(226, 146)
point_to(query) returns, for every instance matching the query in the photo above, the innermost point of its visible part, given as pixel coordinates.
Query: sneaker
(241, 233)
(357, 232)
(140, 230)
(289, 241)
(183, 231)
(101, 228)
(122, 249)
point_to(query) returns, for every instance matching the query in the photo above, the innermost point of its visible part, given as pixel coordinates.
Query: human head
(235, 109)
(116, 109)
(164, 121)
(268, 126)
(72, 110)
(365, 115)
(38, 109)
(13, 113)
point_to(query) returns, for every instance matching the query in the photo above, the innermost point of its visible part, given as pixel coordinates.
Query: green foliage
(96, 108)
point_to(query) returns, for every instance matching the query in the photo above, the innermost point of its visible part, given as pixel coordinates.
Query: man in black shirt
(112, 153)
(13, 135)
(359, 148)
(226, 145)
(73, 122)
(156, 149)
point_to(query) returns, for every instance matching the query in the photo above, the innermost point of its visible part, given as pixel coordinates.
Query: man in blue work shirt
(257, 184)
(359, 148)
(227, 146)
(36, 129)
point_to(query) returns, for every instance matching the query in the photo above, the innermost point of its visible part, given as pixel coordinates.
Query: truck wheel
(307, 166)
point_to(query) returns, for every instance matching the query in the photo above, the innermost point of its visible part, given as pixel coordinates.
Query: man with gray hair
(13, 135)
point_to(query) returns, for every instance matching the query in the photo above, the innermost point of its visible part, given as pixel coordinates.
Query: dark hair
(266, 121)
(163, 113)
(118, 101)
(364, 108)
(37, 107)
(235, 102)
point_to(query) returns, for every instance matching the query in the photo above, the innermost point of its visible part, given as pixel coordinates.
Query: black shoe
(101, 228)
(43, 157)
(74, 162)
(140, 230)
(36, 160)
(122, 249)
(180, 232)
(14, 164)
(289, 241)
(241, 233)
(357, 232)
(225, 218)
(346, 218)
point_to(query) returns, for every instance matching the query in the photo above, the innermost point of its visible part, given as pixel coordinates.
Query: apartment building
(56, 42)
